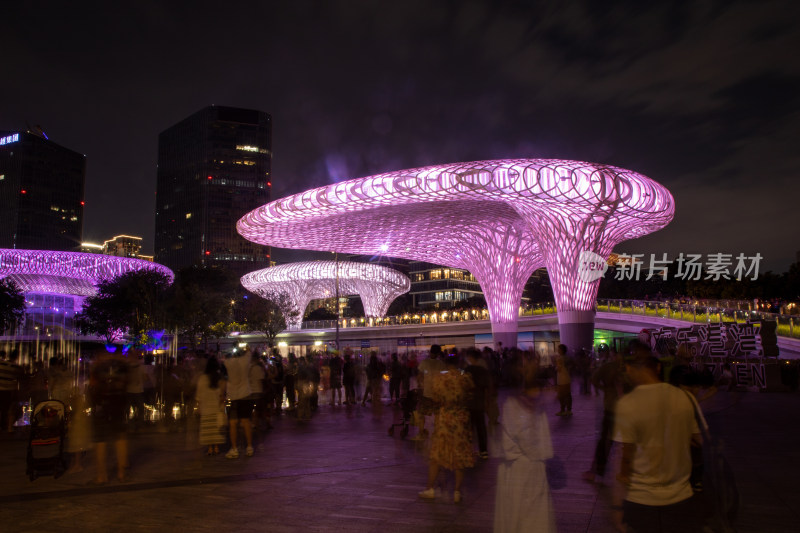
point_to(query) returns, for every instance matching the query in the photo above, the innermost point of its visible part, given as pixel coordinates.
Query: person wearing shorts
(241, 406)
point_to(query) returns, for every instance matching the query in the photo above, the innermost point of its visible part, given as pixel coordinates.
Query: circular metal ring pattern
(68, 273)
(499, 219)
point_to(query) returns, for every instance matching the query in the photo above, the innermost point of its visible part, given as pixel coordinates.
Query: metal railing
(702, 312)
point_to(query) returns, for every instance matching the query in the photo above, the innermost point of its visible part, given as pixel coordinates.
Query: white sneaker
(428, 494)
(248, 452)
(457, 496)
(233, 453)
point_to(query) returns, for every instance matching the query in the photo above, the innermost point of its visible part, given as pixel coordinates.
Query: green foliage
(12, 304)
(267, 315)
(132, 302)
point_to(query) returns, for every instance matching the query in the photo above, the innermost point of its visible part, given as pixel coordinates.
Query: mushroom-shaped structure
(377, 285)
(499, 219)
(74, 275)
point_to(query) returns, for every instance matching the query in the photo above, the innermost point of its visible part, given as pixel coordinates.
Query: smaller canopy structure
(68, 273)
(56, 283)
(302, 282)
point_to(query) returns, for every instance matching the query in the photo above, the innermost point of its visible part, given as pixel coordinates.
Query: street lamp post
(338, 307)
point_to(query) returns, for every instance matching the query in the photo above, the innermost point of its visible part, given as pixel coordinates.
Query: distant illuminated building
(41, 190)
(437, 286)
(123, 246)
(213, 167)
(120, 246)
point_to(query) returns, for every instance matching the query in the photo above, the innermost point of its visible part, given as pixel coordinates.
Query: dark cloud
(701, 96)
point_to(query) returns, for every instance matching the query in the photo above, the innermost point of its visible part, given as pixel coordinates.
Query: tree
(268, 315)
(12, 304)
(201, 298)
(101, 315)
(132, 303)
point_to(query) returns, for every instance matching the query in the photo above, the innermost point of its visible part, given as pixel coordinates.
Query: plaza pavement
(342, 472)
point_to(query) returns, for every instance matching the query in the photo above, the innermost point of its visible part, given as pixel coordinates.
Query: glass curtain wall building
(41, 193)
(213, 167)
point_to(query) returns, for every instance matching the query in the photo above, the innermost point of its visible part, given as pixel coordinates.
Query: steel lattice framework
(377, 285)
(499, 219)
(68, 273)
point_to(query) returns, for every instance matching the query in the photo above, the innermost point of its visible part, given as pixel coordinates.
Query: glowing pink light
(378, 286)
(68, 273)
(481, 216)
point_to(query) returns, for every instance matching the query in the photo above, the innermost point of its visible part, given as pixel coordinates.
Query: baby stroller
(408, 406)
(46, 444)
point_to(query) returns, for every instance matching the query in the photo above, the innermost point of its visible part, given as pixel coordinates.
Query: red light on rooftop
(23, 191)
(269, 184)
(211, 177)
(83, 203)
(208, 253)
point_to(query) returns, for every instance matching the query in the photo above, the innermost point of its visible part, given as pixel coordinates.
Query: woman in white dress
(211, 400)
(523, 502)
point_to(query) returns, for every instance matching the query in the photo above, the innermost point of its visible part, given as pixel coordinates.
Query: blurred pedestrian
(241, 406)
(428, 368)
(656, 425)
(396, 373)
(336, 366)
(478, 398)
(608, 378)
(349, 369)
(375, 369)
(563, 382)
(257, 376)
(451, 446)
(108, 393)
(522, 501)
(211, 401)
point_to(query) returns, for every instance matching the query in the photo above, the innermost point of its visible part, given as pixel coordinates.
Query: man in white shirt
(241, 405)
(656, 425)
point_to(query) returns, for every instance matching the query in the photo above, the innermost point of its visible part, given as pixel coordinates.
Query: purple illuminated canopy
(498, 219)
(68, 273)
(377, 285)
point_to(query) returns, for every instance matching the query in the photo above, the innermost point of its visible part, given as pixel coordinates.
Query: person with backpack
(656, 426)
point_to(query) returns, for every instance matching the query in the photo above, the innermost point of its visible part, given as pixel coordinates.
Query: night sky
(701, 96)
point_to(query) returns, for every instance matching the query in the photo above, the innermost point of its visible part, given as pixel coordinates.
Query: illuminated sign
(8, 139)
(248, 148)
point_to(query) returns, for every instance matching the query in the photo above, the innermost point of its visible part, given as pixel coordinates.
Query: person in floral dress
(451, 446)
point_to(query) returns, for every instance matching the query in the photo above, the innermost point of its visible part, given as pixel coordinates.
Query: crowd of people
(650, 407)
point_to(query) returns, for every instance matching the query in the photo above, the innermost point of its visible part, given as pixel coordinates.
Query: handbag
(720, 493)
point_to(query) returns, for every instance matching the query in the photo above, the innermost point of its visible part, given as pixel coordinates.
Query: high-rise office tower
(213, 167)
(41, 193)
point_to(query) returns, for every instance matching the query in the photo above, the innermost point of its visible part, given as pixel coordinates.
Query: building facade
(120, 246)
(213, 167)
(41, 193)
(440, 287)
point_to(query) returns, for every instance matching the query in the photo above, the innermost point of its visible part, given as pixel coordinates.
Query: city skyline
(702, 98)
